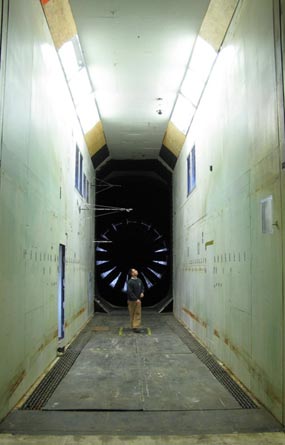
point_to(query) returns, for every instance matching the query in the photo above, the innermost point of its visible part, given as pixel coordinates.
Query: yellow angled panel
(216, 21)
(173, 139)
(95, 139)
(60, 20)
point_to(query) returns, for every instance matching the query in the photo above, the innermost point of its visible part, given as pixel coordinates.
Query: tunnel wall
(227, 268)
(39, 205)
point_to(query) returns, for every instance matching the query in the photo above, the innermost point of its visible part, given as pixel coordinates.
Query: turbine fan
(131, 244)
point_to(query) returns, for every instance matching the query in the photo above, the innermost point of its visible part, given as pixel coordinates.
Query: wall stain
(233, 348)
(255, 371)
(209, 243)
(80, 312)
(216, 333)
(16, 382)
(48, 341)
(258, 374)
(195, 317)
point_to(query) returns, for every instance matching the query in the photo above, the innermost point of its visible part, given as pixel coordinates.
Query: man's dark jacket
(135, 288)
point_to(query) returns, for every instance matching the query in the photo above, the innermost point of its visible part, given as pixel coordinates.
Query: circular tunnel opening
(138, 239)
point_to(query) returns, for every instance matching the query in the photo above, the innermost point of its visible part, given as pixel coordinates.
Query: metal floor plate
(111, 368)
(161, 382)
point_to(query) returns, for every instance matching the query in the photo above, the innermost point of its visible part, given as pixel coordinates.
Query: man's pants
(135, 311)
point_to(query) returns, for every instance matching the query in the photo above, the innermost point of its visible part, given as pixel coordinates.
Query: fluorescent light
(68, 59)
(192, 87)
(201, 62)
(88, 113)
(202, 59)
(80, 86)
(200, 66)
(79, 83)
(183, 113)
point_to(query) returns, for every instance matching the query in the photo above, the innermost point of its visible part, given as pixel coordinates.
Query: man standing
(135, 293)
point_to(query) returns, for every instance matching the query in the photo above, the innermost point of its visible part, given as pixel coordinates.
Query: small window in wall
(84, 186)
(191, 171)
(87, 190)
(79, 170)
(77, 152)
(81, 175)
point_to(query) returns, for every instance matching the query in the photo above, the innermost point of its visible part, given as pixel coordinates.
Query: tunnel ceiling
(127, 63)
(133, 170)
(136, 53)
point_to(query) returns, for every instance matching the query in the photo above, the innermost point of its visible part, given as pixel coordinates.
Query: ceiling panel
(136, 52)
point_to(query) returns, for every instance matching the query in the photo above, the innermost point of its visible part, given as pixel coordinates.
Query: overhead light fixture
(88, 113)
(200, 65)
(202, 58)
(192, 87)
(71, 57)
(81, 90)
(80, 86)
(183, 113)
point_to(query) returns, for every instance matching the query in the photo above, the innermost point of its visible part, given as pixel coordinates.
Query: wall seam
(3, 54)
(279, 67)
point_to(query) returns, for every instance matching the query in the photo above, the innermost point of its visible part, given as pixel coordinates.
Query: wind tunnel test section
(137, 236)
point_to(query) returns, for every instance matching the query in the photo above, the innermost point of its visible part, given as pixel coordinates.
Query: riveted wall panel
(40, 207)
(227, 271)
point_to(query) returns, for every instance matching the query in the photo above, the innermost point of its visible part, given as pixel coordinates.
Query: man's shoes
(137, 330)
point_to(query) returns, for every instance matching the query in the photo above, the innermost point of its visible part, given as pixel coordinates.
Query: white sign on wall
(267, 215)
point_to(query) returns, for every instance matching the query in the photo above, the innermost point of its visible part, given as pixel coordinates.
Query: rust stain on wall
(195, 317)
(216, 333)
(234, 348)
(257, 373)
(48, 341)
(260, 376)
(80, 312)
(16, 382)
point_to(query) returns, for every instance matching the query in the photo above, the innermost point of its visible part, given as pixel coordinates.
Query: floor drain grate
(50, 382)
(217, 370)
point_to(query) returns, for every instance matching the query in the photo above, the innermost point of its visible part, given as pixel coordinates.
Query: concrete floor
(231, 439)
(147, 388)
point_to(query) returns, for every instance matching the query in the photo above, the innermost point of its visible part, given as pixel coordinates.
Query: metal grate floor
(220, 374)
(47, 386)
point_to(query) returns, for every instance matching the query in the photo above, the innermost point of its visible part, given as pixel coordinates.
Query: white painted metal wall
(227, 272)
(39, 206)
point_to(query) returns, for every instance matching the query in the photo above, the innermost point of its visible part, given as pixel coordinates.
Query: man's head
(134, 273)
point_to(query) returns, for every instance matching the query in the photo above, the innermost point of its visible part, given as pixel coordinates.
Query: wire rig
(105, 210)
